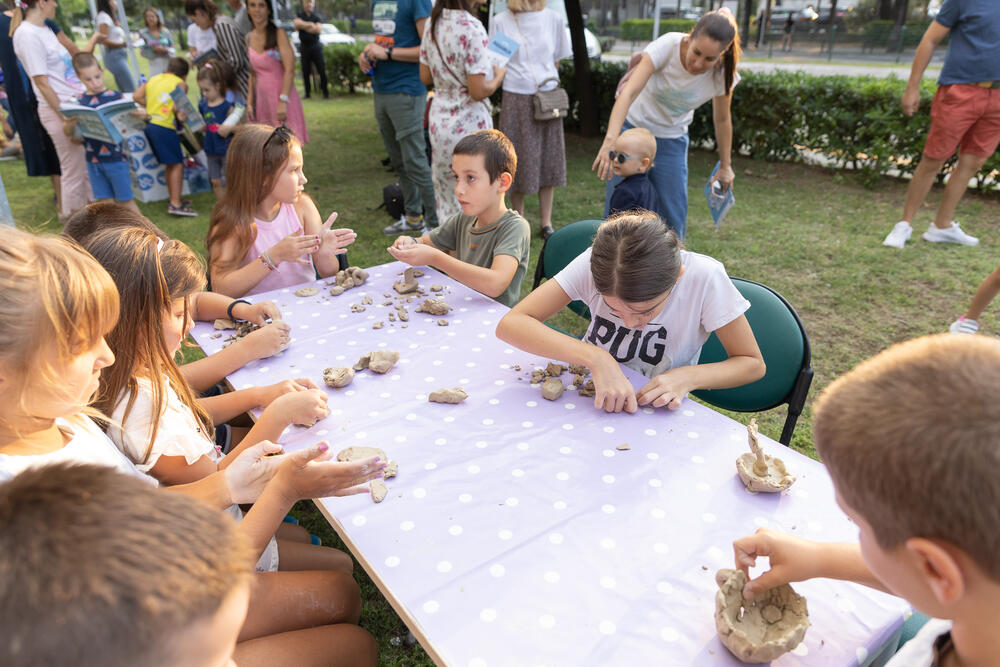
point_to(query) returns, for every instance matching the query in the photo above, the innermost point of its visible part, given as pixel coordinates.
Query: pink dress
(269, 233)
(268, 71)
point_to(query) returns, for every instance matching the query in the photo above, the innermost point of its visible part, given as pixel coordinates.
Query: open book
(719, 201)
(193, 119)
(109, 122)
(207, 55)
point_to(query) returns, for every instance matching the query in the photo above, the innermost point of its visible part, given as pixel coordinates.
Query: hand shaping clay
(434, 307)
(762, 629)
(408, 283)
(338, 376)
(762, 473)
(554, 369)
(378, 490)
(307, 291)
(587, 389)
(361, 453)
(552, 388)
(454, 395)
(379, 361)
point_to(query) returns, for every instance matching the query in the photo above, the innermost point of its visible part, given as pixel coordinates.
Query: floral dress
(457, 49)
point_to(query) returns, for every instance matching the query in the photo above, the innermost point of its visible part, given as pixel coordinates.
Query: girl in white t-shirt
(56, 306)
(675, 75)
(112, 36)
(652, 305)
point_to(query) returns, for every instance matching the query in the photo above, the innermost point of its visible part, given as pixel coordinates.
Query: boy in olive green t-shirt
(486, 246)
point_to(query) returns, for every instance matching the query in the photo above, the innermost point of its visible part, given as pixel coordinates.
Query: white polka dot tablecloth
(517, 533)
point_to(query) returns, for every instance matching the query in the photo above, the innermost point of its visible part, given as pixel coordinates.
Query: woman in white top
(677, 74)
(653, 305)
(50, 68)
(112, 36)
(541, 151)
(453, 57)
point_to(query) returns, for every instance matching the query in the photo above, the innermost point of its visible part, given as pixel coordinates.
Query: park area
(811, 211)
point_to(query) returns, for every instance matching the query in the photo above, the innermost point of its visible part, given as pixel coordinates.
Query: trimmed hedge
(855, 122)
(342, 68)
(641, 30)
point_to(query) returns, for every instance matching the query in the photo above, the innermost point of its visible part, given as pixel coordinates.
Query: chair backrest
(565, 245)
(783, 344)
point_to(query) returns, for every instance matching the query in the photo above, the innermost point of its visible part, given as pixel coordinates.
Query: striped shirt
(232, 48)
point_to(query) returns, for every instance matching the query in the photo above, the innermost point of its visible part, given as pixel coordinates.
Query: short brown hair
(98, 216)
(98, 568)
(496, 149)
(178, 67)
(635, 256)
(207, 6)
(84, 59)
(911, 438)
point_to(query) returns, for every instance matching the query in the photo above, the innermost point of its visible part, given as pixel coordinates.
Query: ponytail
(18, 9)
(720, 26)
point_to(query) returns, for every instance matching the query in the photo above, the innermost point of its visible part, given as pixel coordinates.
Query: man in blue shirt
(965, 114)
(400, 101)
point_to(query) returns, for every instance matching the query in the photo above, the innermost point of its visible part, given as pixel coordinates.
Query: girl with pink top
(265, 232)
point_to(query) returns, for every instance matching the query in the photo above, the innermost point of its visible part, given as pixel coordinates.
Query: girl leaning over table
(653, 305)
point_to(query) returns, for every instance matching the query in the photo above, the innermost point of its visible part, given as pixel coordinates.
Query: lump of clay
(554, 369)
(442, 323)
(434, 307)
(367, 300)
(223, 323)
(437, 288)
(379, 361)
(579, 369)
(360, 453)
(552, 388)
(587, 389)
(453, 395)
(350, 277)
(357, 308)
(391, 470)
(336, 290)
(363, 362)
(408, 283)
(537, 375)
(378, 325)
(379, 490)
(578, 380)
(762, 629)
(338, 376)
(762, 473)
(307, 291)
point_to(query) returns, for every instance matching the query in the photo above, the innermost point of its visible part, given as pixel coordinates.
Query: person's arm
(139, 96)
(723, 118)
(333, 242)
(491, 280)
(231, 45)
(288, 73)
(251, 85)
(49, 95)
(932, 38)
(524, 328)
(104, 30)
(619, 111)
(426, 77)
(236, 282)
(405, 54)
(480, 88)
(306, 406)
(795, 559)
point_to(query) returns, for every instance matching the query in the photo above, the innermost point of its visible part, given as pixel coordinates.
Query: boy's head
(634, 152)
(88, 70)
(911, 438)
(107, 569)
(178, 67)
(484, 164)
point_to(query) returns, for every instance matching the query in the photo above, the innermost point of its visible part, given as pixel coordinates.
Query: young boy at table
(102, 568)
(486, 246)
(919, 476)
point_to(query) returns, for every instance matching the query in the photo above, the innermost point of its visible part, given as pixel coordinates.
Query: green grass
(812, 234)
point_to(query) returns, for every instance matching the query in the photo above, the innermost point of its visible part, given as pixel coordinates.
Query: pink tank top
(269, 233)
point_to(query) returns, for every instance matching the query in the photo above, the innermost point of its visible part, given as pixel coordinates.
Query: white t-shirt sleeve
(576, 279)
(919, 651)
(723, 302)
(564, 47)
(31, 51)
(660, 49)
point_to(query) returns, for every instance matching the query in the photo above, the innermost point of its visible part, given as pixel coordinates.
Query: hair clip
(207, 65)
(159, 245)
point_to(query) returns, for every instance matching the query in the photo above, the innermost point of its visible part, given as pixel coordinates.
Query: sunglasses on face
(620, 158)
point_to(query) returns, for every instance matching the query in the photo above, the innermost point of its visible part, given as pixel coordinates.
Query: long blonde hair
(52, 294)
(149, 274)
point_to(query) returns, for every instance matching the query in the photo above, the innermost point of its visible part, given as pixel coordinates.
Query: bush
(363, 27)
(855, 122)
(641, 30)
(342, 66)
(343, 25)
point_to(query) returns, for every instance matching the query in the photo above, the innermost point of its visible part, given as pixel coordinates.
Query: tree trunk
(589, 122)
(885, 10)
(833, 13)
(749, 9)
(767, 23)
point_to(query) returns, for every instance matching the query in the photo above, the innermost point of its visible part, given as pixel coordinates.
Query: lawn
(812, 234)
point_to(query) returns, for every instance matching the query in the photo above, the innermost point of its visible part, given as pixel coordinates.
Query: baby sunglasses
(620, 158)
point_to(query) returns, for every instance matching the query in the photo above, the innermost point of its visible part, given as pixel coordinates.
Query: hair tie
(159, 245)
(724, 10)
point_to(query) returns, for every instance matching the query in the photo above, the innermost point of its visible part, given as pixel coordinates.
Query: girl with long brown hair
(675, 75)
(265, 232)
(653, 304)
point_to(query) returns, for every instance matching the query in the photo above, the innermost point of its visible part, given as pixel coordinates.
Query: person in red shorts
(965, 114)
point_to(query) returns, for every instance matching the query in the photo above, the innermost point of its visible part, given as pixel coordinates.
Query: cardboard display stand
(149, 181)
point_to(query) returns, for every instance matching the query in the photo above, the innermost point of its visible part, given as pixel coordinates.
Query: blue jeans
(116, 62)
(669, 176)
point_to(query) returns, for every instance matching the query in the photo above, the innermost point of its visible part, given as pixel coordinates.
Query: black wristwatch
(388, 53)
(229, 311)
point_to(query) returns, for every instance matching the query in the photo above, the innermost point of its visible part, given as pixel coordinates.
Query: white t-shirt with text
(703, 300)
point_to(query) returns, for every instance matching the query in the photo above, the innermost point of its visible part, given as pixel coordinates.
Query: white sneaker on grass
(953, 234)
(964, 325)
(403, 226)
(899, 235)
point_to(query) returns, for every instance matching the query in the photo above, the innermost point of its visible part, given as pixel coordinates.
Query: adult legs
(317, 58)
(442, 145)
(920, 185)
(401, 122)
(968, 166)
(669, 176)
(307, 72)
(116, 60)
(75, 185)
(545, 196)
(987, 291)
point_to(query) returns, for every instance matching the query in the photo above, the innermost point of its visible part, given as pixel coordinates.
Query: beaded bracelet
(266, 261)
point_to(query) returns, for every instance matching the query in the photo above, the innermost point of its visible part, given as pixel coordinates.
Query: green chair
(560, 249)
(785, 347)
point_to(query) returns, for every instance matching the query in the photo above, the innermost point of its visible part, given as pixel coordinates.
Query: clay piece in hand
(380, 361)
(587, 390)
(408, 283)
(338, 376)
(307, 291)
(223, 323)
(552, 389)
(762, 473)
(442, 323)
(554, 370)
(453, 395)
(762, 629)
(378, 490)
(336, 290)
(360, 453)
(434, 307)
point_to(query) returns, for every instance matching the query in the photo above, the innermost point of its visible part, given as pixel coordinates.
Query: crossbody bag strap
(527, 57)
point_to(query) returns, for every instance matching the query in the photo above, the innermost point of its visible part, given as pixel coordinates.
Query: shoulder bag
(549, 104)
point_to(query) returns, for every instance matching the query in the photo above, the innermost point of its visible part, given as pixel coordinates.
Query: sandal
(182, 210)
(547, 231)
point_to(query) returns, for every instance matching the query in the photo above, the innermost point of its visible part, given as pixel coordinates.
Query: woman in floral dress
(453, 57)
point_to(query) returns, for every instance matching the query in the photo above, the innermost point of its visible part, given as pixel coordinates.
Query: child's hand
(614, 392)
(308, 473)
(303, 408)
(250, 472)
(270, 393)
(225, 130)
(403, 241)
(414, 254)
(335, 241)
(138, 113)
(667, 389)
(266, 341)
(181, 116)
(791, 559)
(292, 247)
(258, 313)
(69, 126)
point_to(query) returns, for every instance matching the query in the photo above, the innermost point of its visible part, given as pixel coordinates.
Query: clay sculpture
(552, 389)
(307, 291)
(434, 307)
(762, 629)
(350, 277)
(453, 395)
(408, 283)
(762, 473)
(338, 376)
(379, 361)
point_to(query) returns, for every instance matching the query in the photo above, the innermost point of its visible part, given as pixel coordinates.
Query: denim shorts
(165, 143)
(110, 180)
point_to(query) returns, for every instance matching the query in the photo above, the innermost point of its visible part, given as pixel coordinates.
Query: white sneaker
(953, 234)
(899, 235)
(964, 325)
(403, 226)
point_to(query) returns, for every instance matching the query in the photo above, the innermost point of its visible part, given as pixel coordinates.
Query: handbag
(549, 104)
